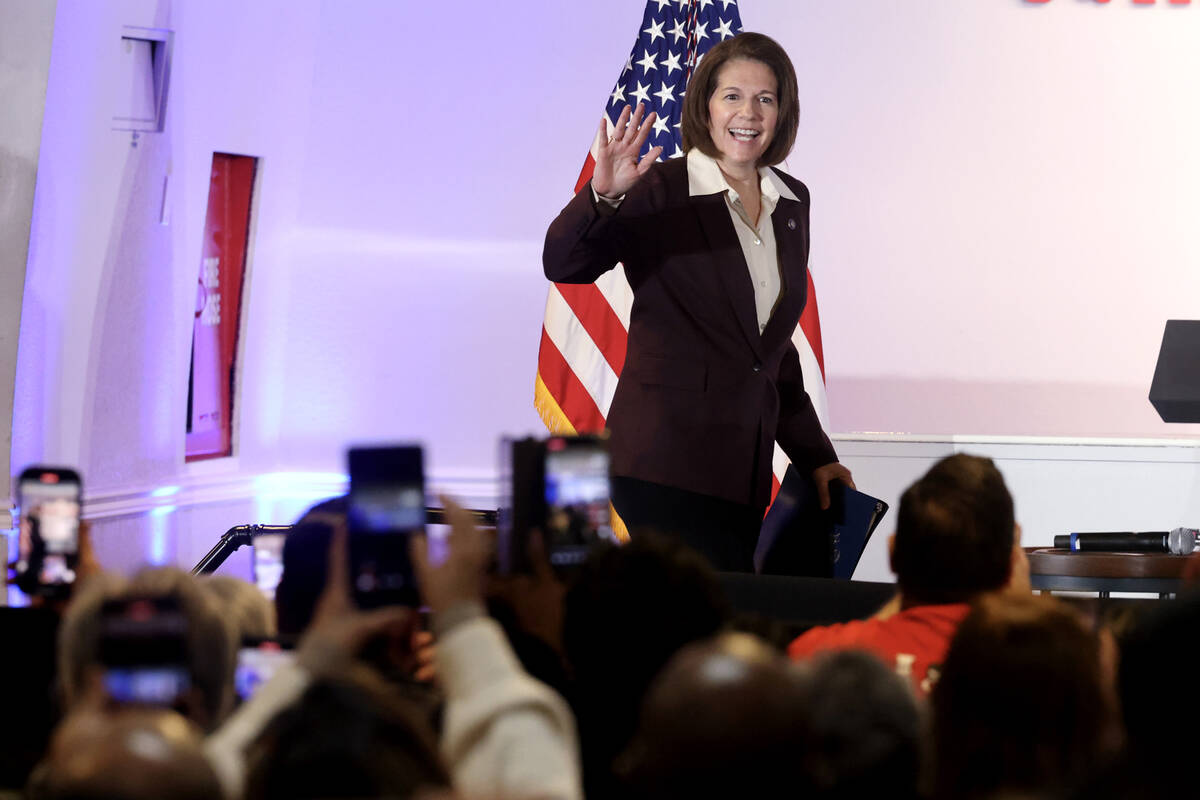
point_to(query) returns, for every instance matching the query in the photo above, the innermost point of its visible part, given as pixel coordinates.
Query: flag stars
(661, 126)
(662, 3)
(705, 4)
(642, 93)
(655, 31)
(647, 62)
(672, 63)
(725, 4)
(665, 94)
(618, 95)
(628, 63)
(724, 29)
(701, 33)
(679, 32)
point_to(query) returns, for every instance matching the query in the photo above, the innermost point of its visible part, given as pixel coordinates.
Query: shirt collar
(705, 177)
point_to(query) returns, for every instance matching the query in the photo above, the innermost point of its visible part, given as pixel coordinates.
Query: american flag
(583, 336)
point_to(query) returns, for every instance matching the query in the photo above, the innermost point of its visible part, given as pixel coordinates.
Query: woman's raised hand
(617, 165)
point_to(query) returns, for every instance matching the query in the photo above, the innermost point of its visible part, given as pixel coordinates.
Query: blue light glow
(160, 534)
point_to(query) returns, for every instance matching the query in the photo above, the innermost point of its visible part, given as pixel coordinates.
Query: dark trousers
(722, 531)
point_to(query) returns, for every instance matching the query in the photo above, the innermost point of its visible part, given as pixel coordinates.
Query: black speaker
(1175, 391)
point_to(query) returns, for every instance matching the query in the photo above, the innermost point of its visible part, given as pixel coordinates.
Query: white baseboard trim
(476, 489)
(959, 440)
(481, 488)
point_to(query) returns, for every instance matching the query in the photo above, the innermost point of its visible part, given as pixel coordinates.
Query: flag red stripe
(560, 394)
(585, 174)
(591, 307)
(597, 317)
(810, 323)
(567, 389)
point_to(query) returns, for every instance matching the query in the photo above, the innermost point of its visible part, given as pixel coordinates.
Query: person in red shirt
(955, 540)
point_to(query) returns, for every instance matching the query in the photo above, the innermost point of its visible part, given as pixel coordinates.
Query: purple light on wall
(158, 546)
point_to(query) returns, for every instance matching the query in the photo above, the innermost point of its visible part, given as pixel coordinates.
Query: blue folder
(798, 538)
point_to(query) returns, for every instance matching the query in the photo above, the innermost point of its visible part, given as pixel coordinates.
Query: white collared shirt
(758, 242)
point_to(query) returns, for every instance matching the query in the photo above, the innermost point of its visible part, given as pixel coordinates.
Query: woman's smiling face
(743, 112)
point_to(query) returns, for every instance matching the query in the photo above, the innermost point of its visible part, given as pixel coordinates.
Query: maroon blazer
(702, 395)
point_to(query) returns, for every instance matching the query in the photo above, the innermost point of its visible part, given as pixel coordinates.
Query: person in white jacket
(505, 735)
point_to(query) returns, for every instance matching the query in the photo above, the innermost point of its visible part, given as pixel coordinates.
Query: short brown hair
(954, 532)
(749, 47)
(1022, 707)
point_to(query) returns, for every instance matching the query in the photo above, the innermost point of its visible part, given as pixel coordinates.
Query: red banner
(219, 307)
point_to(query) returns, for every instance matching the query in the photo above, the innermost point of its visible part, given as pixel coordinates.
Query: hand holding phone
(459, 578)
(559, 486)
(387, 506)
(48, 544)
(339, 630)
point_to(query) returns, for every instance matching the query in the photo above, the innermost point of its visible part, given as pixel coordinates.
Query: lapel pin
(791, 224)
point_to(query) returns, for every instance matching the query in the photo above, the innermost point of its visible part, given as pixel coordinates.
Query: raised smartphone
(143, 647)
(387, 506)
(48, 544)
(559, 485)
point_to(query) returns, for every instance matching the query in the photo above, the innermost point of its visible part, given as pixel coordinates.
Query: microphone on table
(1180, 541)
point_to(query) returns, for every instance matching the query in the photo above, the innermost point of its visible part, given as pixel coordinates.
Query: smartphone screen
(48, 544)
(268, 562)
(143, 648)
(257, 665)
(387, 505)
(146, 686)
(578, 514)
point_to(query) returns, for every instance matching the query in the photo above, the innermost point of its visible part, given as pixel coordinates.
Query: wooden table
(1054, 569)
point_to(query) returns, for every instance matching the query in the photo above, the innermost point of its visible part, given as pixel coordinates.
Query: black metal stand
(241, 535)
(230, 541)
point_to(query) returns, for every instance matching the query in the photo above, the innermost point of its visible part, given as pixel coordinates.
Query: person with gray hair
(863, 730)
(210, 640)
(244, 604)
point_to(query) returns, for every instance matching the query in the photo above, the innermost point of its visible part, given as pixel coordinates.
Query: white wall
(102, 371)
(102, 380)
(1058, 485)
(26, 29)
(1004, 206)
(1004, 196)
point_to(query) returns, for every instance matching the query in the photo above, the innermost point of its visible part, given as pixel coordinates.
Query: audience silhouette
(625, 678)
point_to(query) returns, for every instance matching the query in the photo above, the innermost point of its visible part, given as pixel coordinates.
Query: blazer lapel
(730, 264)
(791, 243)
